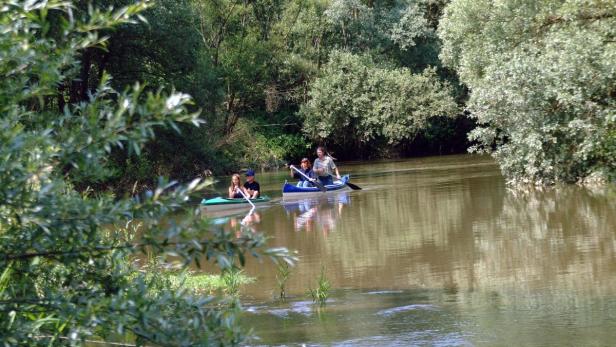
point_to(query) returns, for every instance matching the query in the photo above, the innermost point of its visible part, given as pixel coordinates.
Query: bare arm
(335, 168)
(231, 192)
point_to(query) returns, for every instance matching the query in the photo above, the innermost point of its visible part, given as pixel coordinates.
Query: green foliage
(605, 153)
(358, 102)
(248, 66)
(252, 146)
(405, 23)
(291, 146)
(65, 250)
(542, 81)
(225, 54)
(283, 272)
(164, 276)
(384, 29)
(214, 283)
(232, 279)
(167, 52)
(321, 292)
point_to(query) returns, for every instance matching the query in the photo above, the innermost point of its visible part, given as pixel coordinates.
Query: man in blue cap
(252, 186)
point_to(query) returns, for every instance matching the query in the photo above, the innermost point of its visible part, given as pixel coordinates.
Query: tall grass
(321, 292)
(282, 276)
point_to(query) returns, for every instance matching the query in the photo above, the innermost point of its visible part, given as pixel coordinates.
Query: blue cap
(250, 172)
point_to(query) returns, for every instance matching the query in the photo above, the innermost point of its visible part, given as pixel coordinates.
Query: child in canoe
(306, 169)
(235, 187)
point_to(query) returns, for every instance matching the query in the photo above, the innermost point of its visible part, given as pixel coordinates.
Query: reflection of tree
(471, 233)
(418, 220)
(458, 228)
(561, 237)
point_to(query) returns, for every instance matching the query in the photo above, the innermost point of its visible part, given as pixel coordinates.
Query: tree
(66, 255)
(542, 81)
(356, 102)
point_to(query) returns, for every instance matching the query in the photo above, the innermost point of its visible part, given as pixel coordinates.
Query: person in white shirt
(324, 167)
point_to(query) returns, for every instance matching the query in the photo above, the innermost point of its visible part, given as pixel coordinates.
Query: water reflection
(238, 223)
(317, 214)
(443, 243)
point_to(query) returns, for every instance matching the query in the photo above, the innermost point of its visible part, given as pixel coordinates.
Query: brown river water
(436, 252)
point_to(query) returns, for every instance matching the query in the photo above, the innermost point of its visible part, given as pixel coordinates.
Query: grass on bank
(227, 283)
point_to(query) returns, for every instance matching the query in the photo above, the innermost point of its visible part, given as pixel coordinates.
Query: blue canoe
(290, 190)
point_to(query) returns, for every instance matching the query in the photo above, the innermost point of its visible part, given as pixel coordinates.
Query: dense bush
(357, 103)
(543, 83)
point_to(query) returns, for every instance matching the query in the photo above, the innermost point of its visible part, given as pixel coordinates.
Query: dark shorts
(326, 179)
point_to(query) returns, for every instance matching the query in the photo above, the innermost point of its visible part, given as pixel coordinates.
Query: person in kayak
(236, 185)
(251, 187)
(305, 167)
(324, 167)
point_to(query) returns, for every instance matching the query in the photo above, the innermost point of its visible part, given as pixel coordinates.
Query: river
(437, 251)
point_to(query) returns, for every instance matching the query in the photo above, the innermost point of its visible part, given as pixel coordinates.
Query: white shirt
(327, 164)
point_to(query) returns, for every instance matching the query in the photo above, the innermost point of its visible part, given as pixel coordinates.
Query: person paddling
(236, 185)
(306, 170)
(251, 186)
(324, 167)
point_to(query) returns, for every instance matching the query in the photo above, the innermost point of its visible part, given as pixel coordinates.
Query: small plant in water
(321, 293)
(282, 276)
(232, 280)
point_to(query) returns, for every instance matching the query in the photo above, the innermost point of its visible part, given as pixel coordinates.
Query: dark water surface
(439, 252)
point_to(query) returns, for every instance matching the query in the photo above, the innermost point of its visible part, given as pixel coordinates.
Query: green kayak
(220, 203)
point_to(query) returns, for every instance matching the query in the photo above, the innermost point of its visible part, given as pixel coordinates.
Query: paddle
(247, 199)
(315, 182)
(352, 186)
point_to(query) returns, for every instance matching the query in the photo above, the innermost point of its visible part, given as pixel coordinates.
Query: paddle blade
(352, 186)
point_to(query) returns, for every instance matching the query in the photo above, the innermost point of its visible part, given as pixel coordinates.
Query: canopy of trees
(250, 66)
(540, 73)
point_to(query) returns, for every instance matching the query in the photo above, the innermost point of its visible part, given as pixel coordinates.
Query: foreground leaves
(66, 252)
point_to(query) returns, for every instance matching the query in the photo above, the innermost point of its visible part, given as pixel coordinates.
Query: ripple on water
(381, 292)
(254, 309)
(400, 309)
(415, 338)
(304, 308)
